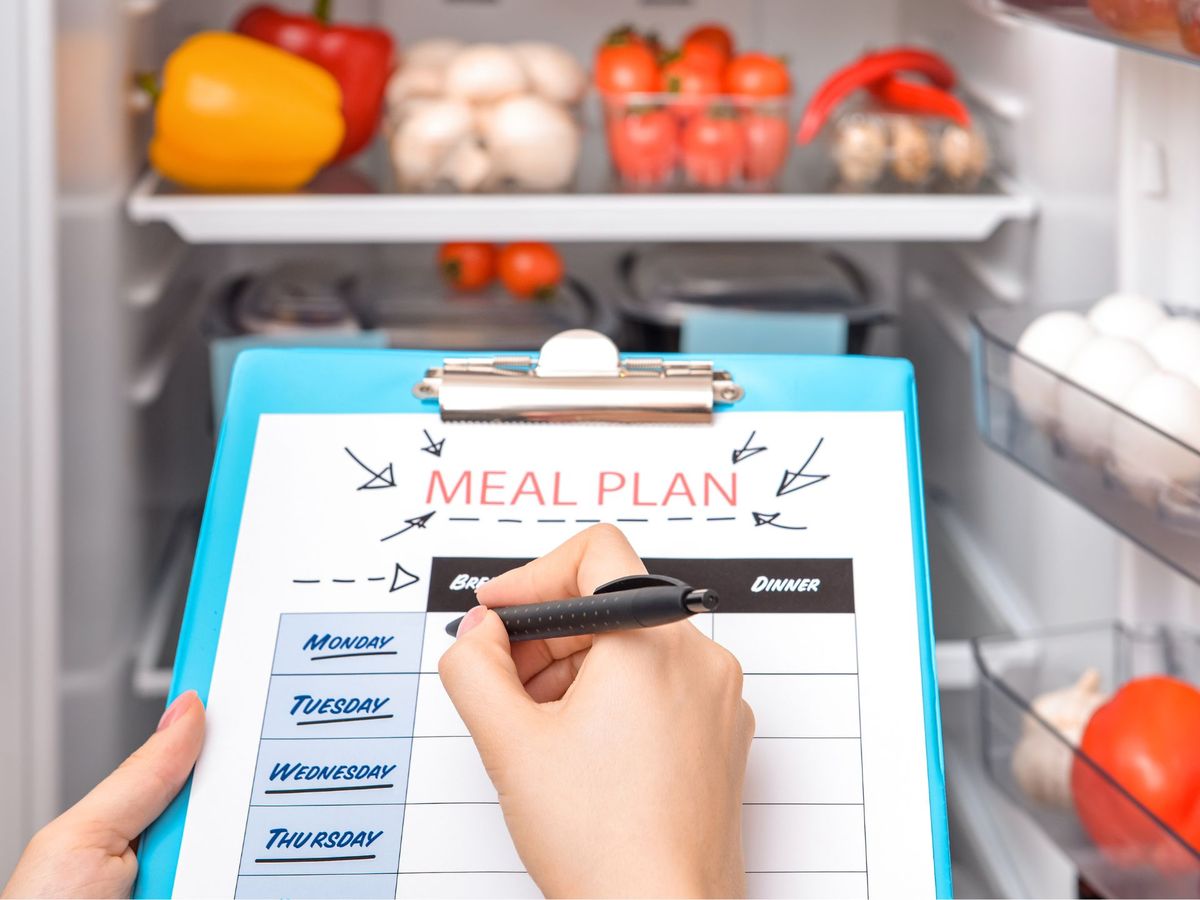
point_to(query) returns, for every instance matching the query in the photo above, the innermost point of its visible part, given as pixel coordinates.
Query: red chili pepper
(862, 73)
(923, 99)
(360, 59)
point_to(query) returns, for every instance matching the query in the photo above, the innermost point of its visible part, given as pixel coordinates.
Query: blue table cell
(322, 840)
(340, 706)
(325, 643)
(317, 887)
(324, 772)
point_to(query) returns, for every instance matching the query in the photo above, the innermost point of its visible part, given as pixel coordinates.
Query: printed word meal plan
(336, 764)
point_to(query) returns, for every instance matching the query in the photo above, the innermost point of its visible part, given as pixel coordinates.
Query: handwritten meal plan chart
(337, 765)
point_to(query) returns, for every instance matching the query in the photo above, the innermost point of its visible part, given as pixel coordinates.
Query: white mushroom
(1041, 762)
(482, 73)
(469, 167)
(433, 53)
(427, 138)
(534, 142)
(552, 72)
(408, 89)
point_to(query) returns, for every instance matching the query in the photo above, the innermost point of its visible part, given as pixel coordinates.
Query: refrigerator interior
(130, 272)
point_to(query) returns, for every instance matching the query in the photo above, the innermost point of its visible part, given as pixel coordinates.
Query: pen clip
(633, 582)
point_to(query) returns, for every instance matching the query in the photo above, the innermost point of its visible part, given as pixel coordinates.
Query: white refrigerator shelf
(582, 216)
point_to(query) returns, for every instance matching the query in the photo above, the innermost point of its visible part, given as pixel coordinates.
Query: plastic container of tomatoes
(665, 141)
(1143, 856)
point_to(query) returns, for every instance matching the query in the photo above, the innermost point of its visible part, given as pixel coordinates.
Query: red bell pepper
(359, 58)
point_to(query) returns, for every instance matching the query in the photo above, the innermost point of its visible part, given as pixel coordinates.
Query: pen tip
(452, 627)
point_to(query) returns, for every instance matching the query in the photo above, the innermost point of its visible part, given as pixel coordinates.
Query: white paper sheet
(335, 764)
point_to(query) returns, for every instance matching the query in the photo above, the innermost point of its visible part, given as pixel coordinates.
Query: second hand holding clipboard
(635, 601)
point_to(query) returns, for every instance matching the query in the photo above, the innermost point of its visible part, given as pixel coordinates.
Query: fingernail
(173, 712)
(470, 620)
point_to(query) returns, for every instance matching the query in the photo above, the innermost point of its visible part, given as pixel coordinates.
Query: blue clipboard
(380, 381)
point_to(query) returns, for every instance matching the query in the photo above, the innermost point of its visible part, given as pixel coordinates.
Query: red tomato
(711, 33)
(767, 144)
(682, 76)
(467, 266)
(713, 149)
(625, 68)
(705, 55)
(1147, 738)
(644, 146)
(757, 75)
(530, 270)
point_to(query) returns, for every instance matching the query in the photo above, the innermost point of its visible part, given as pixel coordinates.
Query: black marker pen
(635, 601)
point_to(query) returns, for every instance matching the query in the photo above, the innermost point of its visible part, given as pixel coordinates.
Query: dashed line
(378, 578)
(721, 518)
(633, 520)
(342, 580)
(510, 521)
(552, 520)
(679, 518)
(306, 580)
(463, 519)
(587, 521)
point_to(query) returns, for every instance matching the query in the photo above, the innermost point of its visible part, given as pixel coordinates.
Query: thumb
(481, 678)
(133, 796)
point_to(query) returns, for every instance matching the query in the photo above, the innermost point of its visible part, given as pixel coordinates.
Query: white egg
(1175, 344)
(1146, 459)
(1107, 367)
(1052, 341)
(1129, 316)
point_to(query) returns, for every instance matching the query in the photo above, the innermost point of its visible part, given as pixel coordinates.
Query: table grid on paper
(419, 803)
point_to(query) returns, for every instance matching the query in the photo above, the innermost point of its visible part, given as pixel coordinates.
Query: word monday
(496, 487)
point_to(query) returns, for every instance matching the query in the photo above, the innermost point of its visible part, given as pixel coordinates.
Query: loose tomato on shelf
(530, 270)
(1147, 740)
(767, 141)
(757, 75)
(712, 34)
(713, 148)
(625, 66)
(644, 143)
(467, 266)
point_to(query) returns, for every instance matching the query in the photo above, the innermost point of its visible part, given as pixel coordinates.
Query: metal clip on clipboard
(579, 376)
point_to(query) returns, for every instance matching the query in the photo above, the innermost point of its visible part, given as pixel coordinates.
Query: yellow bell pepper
(236, 114)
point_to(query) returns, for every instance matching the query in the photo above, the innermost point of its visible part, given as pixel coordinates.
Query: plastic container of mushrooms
(879, 150)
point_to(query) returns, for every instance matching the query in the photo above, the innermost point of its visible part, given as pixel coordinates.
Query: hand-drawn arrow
(402, 578)
(747, 451)
(789, 484)
(414, 522)
(435, 447)
(384, 478)
(769, 519)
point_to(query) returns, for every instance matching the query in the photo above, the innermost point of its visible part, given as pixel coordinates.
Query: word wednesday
(495, 487)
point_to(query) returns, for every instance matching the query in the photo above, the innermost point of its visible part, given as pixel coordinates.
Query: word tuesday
(497, 487)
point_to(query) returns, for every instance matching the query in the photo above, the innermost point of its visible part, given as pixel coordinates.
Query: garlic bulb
(1041, 763)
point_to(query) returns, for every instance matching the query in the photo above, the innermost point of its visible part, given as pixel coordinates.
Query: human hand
(619, 758)
(87, 851)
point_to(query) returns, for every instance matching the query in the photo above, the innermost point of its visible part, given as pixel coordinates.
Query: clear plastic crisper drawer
(1140, 480)
(1153, 860)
